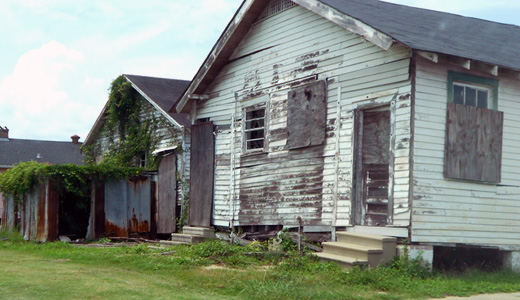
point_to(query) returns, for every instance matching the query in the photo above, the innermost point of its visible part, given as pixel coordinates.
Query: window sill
(253, 152)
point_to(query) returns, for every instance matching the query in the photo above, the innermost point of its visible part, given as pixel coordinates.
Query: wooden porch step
(345, 261)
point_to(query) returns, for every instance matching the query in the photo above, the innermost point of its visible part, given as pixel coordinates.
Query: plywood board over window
(473, 143)
(307, 116)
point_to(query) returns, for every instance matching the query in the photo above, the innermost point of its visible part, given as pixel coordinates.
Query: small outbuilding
(169, 146)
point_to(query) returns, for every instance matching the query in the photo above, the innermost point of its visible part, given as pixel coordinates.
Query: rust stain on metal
(114, 230)
(40, 230)
(138, 226)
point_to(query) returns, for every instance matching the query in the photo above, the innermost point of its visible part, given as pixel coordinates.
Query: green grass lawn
(216, 270)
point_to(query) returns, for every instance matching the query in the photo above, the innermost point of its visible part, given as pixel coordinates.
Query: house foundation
(425, 253)
(511, 260)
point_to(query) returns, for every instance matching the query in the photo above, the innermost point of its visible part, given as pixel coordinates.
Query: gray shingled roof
(13, 151)
(164, 92)
(439, 32)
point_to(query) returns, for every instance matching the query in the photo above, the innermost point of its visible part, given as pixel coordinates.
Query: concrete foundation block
(511, 260)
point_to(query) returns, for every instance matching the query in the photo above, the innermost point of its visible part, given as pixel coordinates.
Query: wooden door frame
(357, 213)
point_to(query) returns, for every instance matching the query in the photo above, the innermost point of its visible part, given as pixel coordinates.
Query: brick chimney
(4, 132)
(75, 139)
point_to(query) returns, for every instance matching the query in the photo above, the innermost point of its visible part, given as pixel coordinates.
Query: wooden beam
(434, 57)
(369, 33)
(494, 70)
(484, 67)
(459, 61)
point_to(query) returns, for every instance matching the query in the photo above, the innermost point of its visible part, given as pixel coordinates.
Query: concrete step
(187, 238)
(347, 262)
(373, 250)
(369, 240)
(360, 252)
(199, 231)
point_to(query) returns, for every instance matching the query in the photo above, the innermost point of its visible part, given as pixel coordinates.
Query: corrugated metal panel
(128, 206)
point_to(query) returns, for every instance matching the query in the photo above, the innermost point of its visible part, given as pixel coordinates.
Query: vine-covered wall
(132, 129)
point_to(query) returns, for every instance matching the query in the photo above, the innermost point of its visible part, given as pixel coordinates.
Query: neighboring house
(13, 151)
(157, 96)
(359, 115)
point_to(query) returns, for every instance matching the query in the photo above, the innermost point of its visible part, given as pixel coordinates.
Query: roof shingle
(439, 32)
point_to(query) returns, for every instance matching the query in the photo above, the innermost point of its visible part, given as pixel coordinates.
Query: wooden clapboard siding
(277, 186)
(453, 211)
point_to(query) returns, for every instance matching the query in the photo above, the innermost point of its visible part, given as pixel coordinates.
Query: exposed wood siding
(453, 211)
(167, 194)
(201, 184)
(274, 187)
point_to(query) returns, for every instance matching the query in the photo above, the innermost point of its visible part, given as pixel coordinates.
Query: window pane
(255, 144)
(471, 96)
(256, 134)
(458, 94)
(254, 127)
(482, 99)
(255, 114)
(255, 124)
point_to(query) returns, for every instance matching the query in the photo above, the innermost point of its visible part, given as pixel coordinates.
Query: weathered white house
(359, 115)
(156, 97)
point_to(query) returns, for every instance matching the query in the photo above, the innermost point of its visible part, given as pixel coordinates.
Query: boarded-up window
(307, 116)
(473, 143)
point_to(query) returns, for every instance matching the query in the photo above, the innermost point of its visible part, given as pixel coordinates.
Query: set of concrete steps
(193, 235)
(359, 249)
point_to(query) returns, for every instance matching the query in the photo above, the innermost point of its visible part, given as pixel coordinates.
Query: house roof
(438, 32)
(13, 151)
(162, 91)
(379, 22)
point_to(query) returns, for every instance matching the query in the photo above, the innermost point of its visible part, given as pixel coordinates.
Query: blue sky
(59, 56)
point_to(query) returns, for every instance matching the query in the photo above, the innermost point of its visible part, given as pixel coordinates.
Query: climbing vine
(131, 136)
(73, 179)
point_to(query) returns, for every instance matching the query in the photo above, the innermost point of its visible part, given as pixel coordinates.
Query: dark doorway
(74, 212)
(372, 201)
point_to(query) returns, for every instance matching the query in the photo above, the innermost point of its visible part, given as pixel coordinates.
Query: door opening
(372, 199)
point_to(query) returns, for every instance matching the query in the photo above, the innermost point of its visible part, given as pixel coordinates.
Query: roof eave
(236, 29)
(155, 105)
(239, 26)
(97, 125)
(351, 24)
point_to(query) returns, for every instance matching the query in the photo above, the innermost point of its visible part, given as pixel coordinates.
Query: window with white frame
(472, 90)
(254, 129)
(471, 95)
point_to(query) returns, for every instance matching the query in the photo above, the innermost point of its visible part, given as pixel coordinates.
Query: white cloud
(37, 96)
